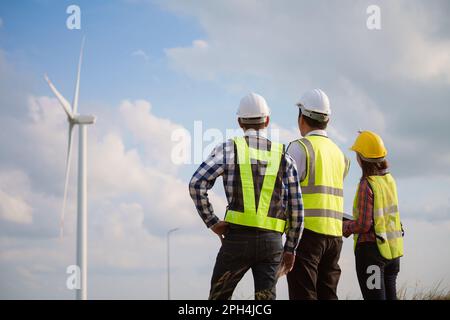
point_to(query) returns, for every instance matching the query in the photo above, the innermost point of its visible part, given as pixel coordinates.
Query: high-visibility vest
(256, 214)
(386, 216)
(323, 186)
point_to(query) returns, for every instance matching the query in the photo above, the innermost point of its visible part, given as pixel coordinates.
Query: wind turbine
(74, 118)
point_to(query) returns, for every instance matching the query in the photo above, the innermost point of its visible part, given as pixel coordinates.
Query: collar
(317, 132)
(256, 133)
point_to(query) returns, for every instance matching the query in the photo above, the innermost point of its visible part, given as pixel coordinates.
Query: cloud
(135, 196)
(116, 171)
(197, 53)
(141, 54)
(24, 211)
(14, 209)
(381, 80)
(282, 135)
(144, 126)
(243, 35)
(13, 206)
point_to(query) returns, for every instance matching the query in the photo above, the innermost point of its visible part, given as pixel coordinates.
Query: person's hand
(345, 228)
(220, 228)
(287, 263)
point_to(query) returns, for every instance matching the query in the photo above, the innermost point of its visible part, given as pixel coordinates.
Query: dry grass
(436, 292)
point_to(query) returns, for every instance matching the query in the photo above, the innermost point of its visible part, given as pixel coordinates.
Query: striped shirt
(221, 163)
(364, 224)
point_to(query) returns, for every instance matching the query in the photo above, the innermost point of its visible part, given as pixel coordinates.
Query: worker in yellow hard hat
(376, 226)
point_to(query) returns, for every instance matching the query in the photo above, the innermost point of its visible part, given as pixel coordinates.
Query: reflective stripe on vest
(252, 216)
(387, 225)
(322, 188)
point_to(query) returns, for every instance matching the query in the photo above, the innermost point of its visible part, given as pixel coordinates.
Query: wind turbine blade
(77, 85)
(64, 103)
(66, 180)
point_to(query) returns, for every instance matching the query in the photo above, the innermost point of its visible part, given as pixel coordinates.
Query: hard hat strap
(321, 117)
(258, 120)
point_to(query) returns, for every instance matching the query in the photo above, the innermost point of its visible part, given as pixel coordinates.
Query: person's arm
(203, 180)
(365, 209)
(298, 154)
(295, 215)
(295, 207)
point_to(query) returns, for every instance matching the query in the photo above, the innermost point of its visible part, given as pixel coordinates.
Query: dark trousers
(370, 265)
(242, 249)
(316, 270)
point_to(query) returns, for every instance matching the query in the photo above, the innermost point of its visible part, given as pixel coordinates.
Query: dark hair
(373, 168)
(313, 123)
(258, 126)
(254, 126)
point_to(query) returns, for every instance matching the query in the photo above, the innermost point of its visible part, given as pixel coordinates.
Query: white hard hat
(253, 109)
(315, 104)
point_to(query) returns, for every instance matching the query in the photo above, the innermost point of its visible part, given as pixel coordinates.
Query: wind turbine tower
(82, 121)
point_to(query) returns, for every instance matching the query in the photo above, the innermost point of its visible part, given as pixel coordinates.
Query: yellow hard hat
(369, 145)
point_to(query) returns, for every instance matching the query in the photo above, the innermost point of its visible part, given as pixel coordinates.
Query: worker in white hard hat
(264, 201)
(322, 167)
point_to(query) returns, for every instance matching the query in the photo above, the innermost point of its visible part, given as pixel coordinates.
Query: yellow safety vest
(386, 216)
(323, 186)
(253, 216)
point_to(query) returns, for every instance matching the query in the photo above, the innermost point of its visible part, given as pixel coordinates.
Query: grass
(436, 292)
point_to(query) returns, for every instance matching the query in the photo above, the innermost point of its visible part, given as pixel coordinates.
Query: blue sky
(36, 37)
(114, 31)
(153, 67)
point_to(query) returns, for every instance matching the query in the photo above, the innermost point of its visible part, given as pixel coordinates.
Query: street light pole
(168, 261)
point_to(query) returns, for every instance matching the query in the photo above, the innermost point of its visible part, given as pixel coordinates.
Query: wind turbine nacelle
(83, 119)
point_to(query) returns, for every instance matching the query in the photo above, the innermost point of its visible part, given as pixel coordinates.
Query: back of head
(314, 105)
(253, 111)
(373, 168)
(369, 146)
(371, 153)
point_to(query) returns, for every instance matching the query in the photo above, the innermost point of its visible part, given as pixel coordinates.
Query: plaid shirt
(364, 224)
(221, 163)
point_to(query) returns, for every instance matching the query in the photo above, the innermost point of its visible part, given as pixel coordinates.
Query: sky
(152, 68)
